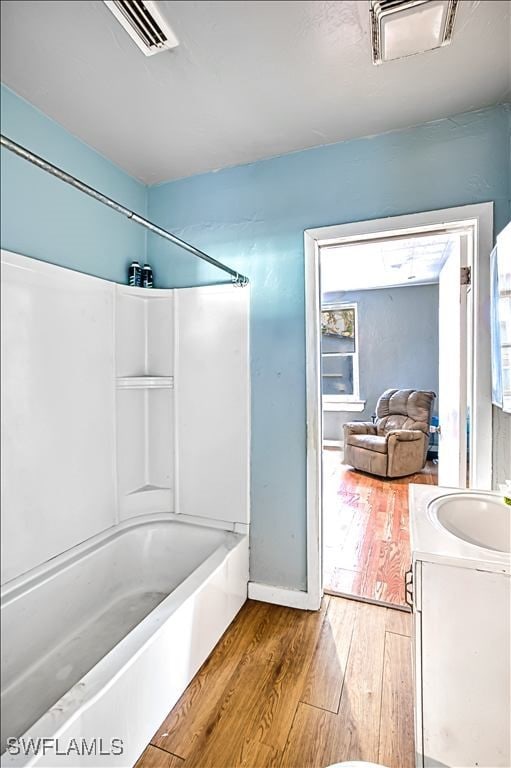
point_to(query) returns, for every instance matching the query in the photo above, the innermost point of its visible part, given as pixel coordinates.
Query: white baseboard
(292, 598)
(333, 444)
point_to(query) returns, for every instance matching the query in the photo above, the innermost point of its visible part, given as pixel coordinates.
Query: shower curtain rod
(12, 146)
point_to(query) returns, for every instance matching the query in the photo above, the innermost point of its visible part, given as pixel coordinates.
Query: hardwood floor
(366, 540)
(295, 689)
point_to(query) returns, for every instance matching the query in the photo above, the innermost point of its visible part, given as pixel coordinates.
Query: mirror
(501, 320)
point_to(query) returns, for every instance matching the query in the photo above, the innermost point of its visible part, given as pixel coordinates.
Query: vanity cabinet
(462, 664)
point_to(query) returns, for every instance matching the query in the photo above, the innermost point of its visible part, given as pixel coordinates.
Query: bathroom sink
(482, 519)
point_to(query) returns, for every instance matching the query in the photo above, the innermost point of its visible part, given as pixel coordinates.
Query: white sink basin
(482, 519)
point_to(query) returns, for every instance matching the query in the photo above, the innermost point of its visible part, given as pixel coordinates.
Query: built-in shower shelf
(147, 498)
(149, 487)
(145, 382)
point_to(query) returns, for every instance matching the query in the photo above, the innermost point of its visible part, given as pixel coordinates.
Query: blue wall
(398, 345)
(253, 218)
(46, 219)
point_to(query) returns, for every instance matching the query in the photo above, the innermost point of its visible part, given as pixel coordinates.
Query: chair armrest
(359, 428)
(405, 434)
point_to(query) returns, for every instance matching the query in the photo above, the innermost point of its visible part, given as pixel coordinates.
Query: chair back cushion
(404, 409)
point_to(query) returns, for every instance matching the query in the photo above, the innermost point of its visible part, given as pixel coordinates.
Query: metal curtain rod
(12, 146)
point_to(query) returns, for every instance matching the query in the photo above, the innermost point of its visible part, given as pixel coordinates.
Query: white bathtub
(100, 642)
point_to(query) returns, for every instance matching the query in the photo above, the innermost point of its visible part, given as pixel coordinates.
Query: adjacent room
(380, 319)
(255, 384)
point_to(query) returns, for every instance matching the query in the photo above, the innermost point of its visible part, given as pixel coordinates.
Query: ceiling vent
(402, 28)
(145, 25)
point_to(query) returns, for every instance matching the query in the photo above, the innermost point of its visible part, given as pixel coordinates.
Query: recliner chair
(397, 443)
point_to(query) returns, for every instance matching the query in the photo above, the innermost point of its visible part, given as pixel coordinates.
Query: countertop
(430, 542)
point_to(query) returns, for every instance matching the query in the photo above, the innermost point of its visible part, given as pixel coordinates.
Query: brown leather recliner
(397, 443)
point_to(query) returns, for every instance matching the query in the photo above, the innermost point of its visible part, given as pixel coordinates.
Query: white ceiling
(404, 261)
(249, 79)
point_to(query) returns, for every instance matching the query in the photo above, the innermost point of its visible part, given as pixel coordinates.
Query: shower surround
(125, 503)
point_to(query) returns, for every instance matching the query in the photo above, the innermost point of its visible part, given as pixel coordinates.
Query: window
(339, 355)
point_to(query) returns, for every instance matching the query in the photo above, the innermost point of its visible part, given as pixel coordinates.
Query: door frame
(479, 220)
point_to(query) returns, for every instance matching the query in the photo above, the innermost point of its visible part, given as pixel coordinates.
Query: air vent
(144, 23)
(401, 28)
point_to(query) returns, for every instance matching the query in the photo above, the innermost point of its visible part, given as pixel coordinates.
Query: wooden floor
(366, 540)
(296, 689)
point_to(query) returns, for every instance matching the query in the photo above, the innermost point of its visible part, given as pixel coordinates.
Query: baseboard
(291, 598)
(333, 444)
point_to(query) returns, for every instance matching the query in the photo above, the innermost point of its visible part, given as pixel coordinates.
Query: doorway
(379, 332)
(333, 487)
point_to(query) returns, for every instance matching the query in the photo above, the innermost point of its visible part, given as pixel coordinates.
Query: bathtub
(99, 643)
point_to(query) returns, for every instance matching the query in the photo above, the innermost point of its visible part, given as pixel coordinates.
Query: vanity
(459, 588)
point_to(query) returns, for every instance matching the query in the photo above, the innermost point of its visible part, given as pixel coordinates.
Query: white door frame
(479, 219)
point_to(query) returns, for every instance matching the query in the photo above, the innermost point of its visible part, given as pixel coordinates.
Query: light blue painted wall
(253, 218)
(48, 220)
(398, 345)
